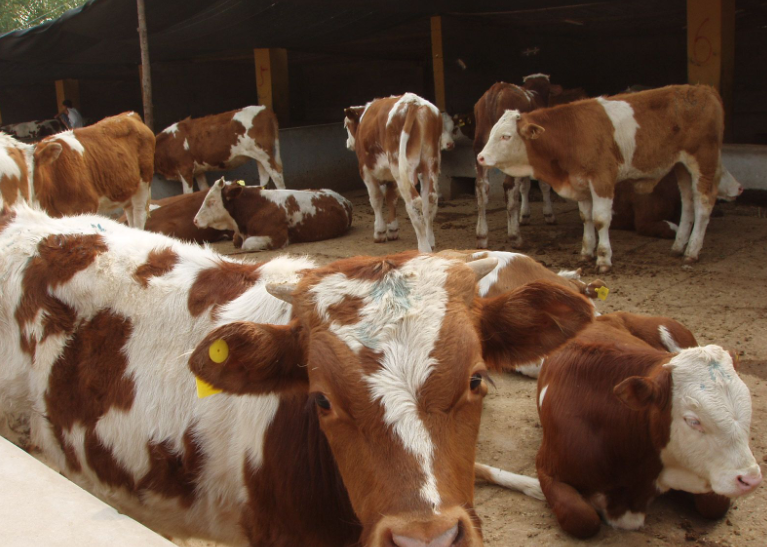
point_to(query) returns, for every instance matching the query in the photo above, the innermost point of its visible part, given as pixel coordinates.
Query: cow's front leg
(482, 189)
(511, 193)
(548, 207)
(524, 194)
(376, 202)
(602, 216)
(589, 237)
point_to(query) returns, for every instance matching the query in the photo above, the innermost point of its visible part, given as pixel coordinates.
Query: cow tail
(404, 138)
(276, 145)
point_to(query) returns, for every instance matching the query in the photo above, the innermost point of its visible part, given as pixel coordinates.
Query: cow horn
(483, 266)
(283, 291)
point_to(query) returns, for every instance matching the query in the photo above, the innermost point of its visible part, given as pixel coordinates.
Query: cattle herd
(289, 403)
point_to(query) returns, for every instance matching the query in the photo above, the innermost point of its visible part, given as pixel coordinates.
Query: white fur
(536, 75)
(172, 129)
(531, 370)
(625, 128)
(504, 259)
(231, 429)
(510, 156)
(399, 107)
(256, 243)
(212, 213)
(71, 140)
(542, 395)
(186, 144)
(668, 340)
(527, 485)
(729, 188)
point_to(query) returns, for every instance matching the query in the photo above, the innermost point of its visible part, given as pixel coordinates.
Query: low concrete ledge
(40, 507)
(747, 163)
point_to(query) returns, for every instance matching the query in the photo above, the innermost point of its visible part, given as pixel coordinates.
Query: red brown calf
(188, 149)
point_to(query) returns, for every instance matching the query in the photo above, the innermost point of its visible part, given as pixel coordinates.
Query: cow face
(729, 188)
(351, 123)
(710, 422)
(393, 353)
(446, 138)
(212, 213)
(506, 148)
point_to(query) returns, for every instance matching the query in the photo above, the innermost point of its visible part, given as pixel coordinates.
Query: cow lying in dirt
(351, 393)
(270, 219)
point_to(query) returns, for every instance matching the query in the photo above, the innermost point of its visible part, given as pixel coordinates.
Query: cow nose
(748, 482)
(450, 145)
(740, 190)
(196, 222)
(481, 159)
(444, 539)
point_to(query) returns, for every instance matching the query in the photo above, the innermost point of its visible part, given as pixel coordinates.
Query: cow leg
(548, 207)
(273, 170)
(686, 220)
(589, 237)
(602, 215)
(392, 225)
(482, 189)
(274, 166)
(202, 181)
(511, 192)
(257, 243)
(704, 199)
(263, 175)
(376, 202)
(140, 205)
(186, 181)
(429, 197)
(575, 515)
(524, 193)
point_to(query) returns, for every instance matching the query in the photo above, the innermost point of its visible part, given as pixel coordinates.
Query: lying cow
(190, 148)
(489, 108)
(348, 418)
(270, 219)
(34, 130)
(624, 420)
(398, 140)
(585, 148)
(655, 214)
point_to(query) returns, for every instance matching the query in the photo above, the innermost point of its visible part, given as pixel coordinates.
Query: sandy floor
(722, 299)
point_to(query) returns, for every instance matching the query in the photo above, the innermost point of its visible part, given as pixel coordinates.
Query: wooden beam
(272, 81)
(146, 70)
(711, 48)
(438, 62)
(68, 89)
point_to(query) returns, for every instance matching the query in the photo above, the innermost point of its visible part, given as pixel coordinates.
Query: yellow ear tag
(602, 293)
(241, 182)
(204, 389)
(218, 353)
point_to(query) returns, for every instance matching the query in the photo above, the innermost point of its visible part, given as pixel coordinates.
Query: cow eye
(506, 137)
(475, 382)
(322, 402)
(694, 423)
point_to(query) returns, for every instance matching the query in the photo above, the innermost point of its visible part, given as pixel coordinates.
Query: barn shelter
(308, 60)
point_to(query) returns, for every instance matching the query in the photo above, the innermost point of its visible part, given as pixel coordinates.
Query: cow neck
(244, 207)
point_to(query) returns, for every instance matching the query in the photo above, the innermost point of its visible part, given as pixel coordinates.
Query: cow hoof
(392, 236)
(690, 259)
(550, 219)
(524, 220)
(379, 237)
(676, 252)
(482, 243)
(516, 242)
(586, 259)
(604, 268)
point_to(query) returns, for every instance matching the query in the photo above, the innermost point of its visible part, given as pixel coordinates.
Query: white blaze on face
(212, 213)
(625, 128)
(710, 424)
(505, 148)
(446, 141)
(401, 318)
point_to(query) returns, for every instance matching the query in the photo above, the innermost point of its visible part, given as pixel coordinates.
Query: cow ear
(248, 358)
(530, 322)
(47, 152)
(639, 392)
(232, 191)
(735, 359)
(530, 130)
(351, 113)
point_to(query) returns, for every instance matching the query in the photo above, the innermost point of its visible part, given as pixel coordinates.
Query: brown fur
(13, 188)
(158, 263)
(220, 284)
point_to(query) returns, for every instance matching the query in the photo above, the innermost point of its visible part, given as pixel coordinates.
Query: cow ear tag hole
(218, 353)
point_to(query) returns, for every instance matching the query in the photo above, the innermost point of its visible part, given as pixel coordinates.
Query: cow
(489, 108)
(99, 168)
(351, 393)
(15, 171)
(397, 141)
(655, 214)
(270, 219)
(632, 407)
(190, 148)
(559, 95)
(584, 149)
(34, 130)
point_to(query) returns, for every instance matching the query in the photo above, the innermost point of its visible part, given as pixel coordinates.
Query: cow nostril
(747, 483)
(481, 159)
(447, 538)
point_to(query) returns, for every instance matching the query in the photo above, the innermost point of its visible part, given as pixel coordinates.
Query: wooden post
(68, 89)
(711, 48)
(146, 71)
(272, 81)
(438, 62)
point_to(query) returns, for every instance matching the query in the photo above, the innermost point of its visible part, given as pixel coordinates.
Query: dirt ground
(722, 299)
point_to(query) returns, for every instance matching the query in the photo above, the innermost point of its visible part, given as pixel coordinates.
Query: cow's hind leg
(392, 224)
(482, 189)
(139, 205)
(524, 194)
(202, 181)
(430, 198)
(575, 515)
(527, 485)
(686, 220)
(589, 236)
(548, 207)
(376, 202)
(602, 215)
(704, 199)
(263, 175)
(511, 192)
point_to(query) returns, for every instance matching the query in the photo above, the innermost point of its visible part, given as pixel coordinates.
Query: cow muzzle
(450, 528)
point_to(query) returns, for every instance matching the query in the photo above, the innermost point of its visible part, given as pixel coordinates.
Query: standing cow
(190, 148)
(399, 140)
(585, 148)
(489, 108)
(349, 418)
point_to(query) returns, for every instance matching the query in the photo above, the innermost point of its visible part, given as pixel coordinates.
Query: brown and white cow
(489, 108)
(585, 148)
(34, 130)
(15, 171)
(625, 420)
(190, 148)
(270, 219)
(348, 418)
(99, 168)
(399, 140)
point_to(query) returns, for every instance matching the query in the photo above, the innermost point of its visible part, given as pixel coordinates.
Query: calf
(585, 148)
(348, 418)
(270, 219)
(15, 171)
(625, 420)
(489, 108)
(188, 149)
(34, 130)
(398, 140)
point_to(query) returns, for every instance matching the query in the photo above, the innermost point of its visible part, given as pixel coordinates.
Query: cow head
(446, 138)
(463, 124)
(351, 122)
(729, 188)
(540, 83)
(393, 353)
(506, 148)
(212, 213)
(710, 411)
